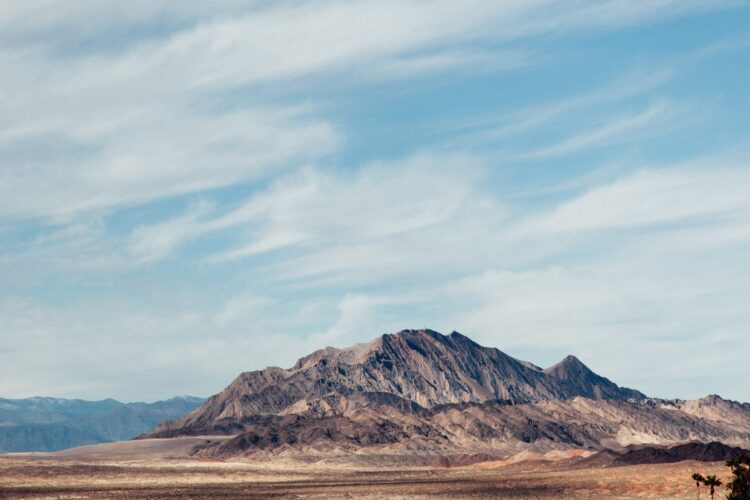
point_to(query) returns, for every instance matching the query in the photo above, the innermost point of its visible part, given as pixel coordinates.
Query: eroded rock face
(421, 392)
(335, 425)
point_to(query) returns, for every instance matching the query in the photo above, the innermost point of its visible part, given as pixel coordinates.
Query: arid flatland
(43, 477)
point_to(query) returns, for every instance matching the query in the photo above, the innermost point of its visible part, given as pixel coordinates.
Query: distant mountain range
(48, 424)
(421, 395)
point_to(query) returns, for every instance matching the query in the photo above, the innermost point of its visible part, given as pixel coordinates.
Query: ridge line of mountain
(55, 399)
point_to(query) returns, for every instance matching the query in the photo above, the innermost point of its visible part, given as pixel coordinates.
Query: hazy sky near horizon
(189, 190)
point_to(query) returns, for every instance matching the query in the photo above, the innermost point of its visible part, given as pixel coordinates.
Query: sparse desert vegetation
(738, 488)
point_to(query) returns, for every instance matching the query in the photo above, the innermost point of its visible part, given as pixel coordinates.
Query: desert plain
(161, 468)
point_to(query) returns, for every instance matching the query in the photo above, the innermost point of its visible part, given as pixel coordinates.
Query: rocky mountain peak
(568, 366)
(577, 377)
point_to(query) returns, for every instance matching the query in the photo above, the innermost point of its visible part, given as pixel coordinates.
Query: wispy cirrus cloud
(137, 123)
(652, 121)
(313, 210)
(498, 127)
(650, 197)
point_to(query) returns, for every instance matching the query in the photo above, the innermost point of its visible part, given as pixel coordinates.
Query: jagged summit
(568, 367)
(411, 368)
(568, 360)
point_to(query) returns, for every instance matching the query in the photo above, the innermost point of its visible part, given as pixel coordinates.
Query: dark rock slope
(701, 452)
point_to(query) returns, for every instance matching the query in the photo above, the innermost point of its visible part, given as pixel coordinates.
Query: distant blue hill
(50, 424)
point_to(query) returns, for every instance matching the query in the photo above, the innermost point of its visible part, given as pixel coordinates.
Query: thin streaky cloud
(494, 128)
(616, 131)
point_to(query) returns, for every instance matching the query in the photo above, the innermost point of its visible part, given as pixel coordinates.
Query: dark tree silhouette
(712, 482)
(698, 478)
(739, 486)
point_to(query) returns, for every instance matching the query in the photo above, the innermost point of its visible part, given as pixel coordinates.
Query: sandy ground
(142, 471)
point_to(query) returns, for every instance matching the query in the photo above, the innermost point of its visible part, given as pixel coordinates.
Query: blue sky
(191, 190)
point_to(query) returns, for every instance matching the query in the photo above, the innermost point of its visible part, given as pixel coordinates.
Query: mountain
(421, 397)
(431, 398)
(412, 369)
(48, 424)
